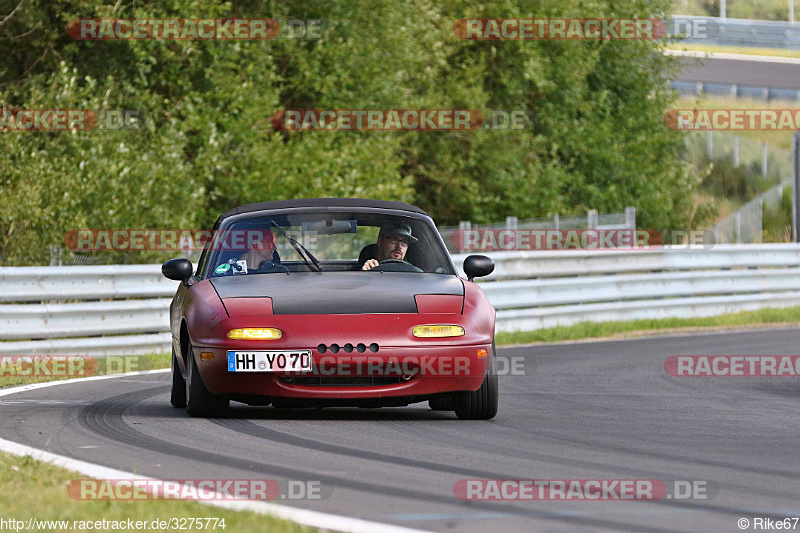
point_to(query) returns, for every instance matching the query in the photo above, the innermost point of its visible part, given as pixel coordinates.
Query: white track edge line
(318, 519)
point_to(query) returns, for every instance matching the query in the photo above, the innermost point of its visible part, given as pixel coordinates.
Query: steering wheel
(396, 265)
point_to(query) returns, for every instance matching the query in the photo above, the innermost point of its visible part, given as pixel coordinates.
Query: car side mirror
(476, 266)
(178, 269)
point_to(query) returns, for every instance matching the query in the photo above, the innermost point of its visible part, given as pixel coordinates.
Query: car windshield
(325, 242)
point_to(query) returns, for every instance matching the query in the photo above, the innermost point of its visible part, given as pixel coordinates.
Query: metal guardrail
(37, 284)
(86, 310)
(698, 88)
(738, 32)
(595, 286)
(101, 310)
(527, 265)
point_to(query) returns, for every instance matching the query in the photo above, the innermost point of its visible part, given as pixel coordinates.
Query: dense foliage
(598, 140)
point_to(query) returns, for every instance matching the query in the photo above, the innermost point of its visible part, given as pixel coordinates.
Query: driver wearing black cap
(393, 241)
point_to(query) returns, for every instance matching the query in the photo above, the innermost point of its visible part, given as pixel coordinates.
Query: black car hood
(338, 293)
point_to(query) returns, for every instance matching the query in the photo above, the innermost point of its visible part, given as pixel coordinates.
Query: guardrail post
(710, 144)
(764, 159)
(791, 11)
(591, 219)
(723, 9)
(737, 227)
(630, 217)
(555, 222)
(796, 191)
(55, 255)
(735, 150)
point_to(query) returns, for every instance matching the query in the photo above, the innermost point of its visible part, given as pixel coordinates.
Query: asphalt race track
(600, 410)
(740, 72)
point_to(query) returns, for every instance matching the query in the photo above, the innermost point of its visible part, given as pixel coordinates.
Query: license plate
(269, 361)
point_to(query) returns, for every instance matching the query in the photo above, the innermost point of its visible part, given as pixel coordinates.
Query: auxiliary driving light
(438, 330)
(255, 334)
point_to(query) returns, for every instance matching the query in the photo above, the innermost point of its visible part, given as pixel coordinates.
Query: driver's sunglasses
(394, 240)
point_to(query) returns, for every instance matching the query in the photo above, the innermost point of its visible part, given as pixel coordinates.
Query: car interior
(421, 255)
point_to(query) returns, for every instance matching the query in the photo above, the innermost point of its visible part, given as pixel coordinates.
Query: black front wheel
(482, 403)
(199, 401)
(178, 394)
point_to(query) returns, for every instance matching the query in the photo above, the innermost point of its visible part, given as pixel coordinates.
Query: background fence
(592, 220)
(764, 159)
(746, 224)
(109, 310)
(763, 167)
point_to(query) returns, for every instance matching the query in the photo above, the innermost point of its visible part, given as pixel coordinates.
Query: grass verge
(18, 372)
(780, 139)
(35, 489)
(788, 316)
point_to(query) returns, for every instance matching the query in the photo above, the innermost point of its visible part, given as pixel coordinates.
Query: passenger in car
(262, 250)
(393, 241)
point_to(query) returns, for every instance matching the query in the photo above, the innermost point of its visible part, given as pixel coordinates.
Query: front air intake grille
(349, 348)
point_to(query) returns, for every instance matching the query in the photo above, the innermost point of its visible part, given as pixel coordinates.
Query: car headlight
(255, 334)
(438, 330)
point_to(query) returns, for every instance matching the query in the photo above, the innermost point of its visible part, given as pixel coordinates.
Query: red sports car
(331, 302)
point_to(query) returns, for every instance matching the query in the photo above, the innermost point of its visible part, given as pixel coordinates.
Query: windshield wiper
(300, 248)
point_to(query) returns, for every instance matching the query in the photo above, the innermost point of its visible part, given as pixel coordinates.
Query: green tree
(598, 140)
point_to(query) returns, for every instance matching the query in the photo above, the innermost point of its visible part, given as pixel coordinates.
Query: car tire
(178, 394)
(482, 403)
(443, 403)
(199, 402)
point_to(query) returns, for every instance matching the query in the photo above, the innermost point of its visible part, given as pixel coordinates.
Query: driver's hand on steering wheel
(370, 263)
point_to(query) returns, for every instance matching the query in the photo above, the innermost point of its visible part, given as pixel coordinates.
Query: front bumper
(397, 371)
